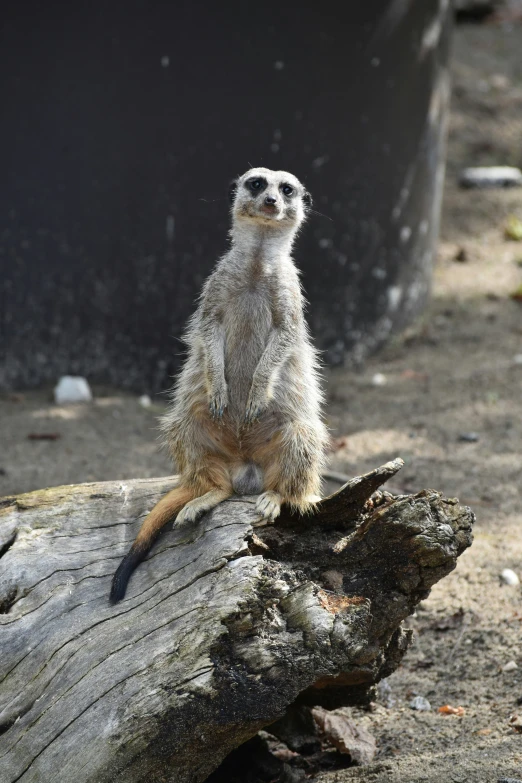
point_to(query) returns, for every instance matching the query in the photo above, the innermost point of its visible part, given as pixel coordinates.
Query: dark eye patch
(288, 190)
(256, 184)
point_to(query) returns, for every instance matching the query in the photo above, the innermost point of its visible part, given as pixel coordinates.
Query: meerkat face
(271, 198)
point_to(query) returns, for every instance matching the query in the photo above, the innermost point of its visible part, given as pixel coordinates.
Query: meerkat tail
(165, 510)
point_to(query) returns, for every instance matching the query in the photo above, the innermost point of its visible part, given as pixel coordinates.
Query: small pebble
(517, 358)
(420, 703)
(72, 388)
(510, 667)
(491, 177)
(379, 379)
(145, 401)
(469, 437)
(499, 81)
(509, 577)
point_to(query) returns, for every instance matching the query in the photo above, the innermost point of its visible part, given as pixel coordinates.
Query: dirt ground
(458, 371)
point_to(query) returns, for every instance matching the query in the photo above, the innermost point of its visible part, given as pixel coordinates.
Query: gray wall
(122, 125)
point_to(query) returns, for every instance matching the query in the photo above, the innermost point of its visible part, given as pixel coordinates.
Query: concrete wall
(121, 126)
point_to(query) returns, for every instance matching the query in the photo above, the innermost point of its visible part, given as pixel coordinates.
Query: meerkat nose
(270, 200)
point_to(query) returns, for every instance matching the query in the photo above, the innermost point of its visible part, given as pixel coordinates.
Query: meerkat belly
(247, 327)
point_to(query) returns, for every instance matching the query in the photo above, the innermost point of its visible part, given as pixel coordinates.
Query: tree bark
(224, 626)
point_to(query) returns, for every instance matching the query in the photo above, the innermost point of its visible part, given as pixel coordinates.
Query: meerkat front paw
(269, 506)
(256, 405)
(218, 403)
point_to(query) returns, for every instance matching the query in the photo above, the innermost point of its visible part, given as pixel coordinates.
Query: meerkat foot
(194, 509)
(269, 506)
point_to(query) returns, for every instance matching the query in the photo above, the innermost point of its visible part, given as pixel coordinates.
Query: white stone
(145, 401)
(379, 379)
(420, 704)
(491, 177)
(517, 358)
(510, 667)
(509, 577)
(72, 388)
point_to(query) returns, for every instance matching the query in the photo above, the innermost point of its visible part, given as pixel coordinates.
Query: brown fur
(166, 509)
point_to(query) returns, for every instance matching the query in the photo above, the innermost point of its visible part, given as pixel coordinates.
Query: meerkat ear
(232, 190)
(307, 199)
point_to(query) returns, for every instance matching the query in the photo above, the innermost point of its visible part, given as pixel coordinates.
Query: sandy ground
(459, 370)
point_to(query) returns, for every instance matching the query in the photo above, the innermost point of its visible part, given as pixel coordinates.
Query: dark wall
(122, 125)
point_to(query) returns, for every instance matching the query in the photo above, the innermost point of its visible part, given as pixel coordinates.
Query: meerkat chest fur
(254, 296)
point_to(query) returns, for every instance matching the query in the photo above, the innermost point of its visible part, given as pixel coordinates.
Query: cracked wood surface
(221, 629)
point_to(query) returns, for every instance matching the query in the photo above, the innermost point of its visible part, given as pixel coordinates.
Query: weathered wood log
(222, 629)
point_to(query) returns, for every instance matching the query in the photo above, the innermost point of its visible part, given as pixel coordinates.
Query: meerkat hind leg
(194, 509)
(269, 506)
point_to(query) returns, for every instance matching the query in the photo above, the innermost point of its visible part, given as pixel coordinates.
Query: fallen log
(224, 626)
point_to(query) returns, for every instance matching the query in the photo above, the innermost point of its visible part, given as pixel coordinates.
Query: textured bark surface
(223, 628)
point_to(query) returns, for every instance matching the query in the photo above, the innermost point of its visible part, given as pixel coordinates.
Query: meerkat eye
(287, 190)
(255, 184)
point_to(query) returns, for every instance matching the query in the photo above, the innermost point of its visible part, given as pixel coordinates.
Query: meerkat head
(271, 198)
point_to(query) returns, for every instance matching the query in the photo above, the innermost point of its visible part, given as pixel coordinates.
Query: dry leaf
(515, 722)
(447, 709)
(284, 754)
(345, 735)
(414, 375)
(517, 294)
(513, 229)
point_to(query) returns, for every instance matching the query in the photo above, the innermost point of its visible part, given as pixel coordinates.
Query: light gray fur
(250, 359)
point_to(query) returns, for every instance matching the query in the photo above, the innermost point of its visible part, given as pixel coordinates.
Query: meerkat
(245, 413)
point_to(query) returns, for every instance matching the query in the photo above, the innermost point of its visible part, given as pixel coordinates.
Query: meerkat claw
(253, 412)
(217, 408)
